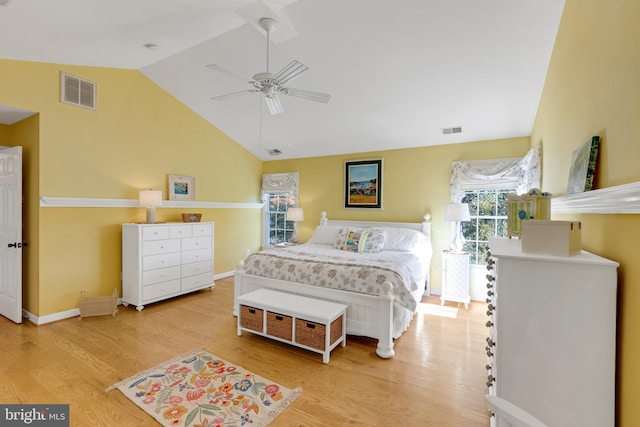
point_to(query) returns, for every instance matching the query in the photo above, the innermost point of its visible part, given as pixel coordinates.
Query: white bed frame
(367, 315)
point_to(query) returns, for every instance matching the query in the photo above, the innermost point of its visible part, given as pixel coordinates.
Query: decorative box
(526, 207)
(98, 305)
(560, 238)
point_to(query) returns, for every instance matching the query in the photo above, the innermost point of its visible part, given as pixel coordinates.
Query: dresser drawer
(179, 231)
(196, 256)
(155, 233)
(202, 229)
(196, 243)
(153, 262)
(198, 281)
(196, 268)
(160, 247)
(160, 290)
(160, 275)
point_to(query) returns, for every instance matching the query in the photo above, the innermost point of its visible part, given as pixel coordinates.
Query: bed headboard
(424, 226)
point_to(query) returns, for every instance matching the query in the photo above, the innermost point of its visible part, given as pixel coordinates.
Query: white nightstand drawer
(153, 262)
(196, 243)
(155, 233)
(160, 290)
(160, 275)
(160, 247)
(198, 281)
(197, 255)
(202, 229)
(179, 231)
(196, 268)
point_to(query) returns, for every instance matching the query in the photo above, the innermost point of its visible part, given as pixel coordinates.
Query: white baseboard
(75, 312)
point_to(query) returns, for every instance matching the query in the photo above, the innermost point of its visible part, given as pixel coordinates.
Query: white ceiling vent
(447, 131)
(77, 91)
(274, 151)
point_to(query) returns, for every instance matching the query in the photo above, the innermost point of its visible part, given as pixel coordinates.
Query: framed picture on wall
(182, 187)
(583, 166)
(363, 184)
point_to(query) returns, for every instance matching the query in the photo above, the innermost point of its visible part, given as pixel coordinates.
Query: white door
(11, 233)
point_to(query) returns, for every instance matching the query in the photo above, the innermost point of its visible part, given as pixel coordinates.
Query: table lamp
(457, 212)
(295, 215)
(150, 199)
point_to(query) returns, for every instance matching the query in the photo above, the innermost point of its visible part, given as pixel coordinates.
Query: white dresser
(552, 341)
(455, 277)
(160, 261)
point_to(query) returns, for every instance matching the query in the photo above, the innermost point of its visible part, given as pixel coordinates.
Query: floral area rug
(199, 389)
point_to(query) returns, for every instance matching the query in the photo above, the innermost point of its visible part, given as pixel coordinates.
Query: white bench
(312, 324)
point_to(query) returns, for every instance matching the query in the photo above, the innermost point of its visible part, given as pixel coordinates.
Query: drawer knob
(490, 278)
(489, 293)
(488, 300)
(489, 367)
(489, 312)
(489, 353)
(490, 342)
(491, 307)
(489, 285)
(489, 324)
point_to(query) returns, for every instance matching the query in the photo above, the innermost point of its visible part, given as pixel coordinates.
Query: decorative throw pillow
(355, 241)
(342, 237)
(375, 241)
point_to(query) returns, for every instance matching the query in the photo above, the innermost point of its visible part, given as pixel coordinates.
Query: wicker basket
(313, 334)
(191, 217)
(98, 305)
(279, 325)
(251, 318)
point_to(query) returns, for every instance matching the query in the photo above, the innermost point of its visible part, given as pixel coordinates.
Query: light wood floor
(437, 377)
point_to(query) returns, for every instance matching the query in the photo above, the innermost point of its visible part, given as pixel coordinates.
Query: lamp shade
(151, 198)
(295, 214)
(457, 212)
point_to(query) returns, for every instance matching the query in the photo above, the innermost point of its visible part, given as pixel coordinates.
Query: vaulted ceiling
(398, 71)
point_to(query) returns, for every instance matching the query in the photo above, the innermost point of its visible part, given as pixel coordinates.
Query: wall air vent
(274, 151)
(447, 131)
(77, 91)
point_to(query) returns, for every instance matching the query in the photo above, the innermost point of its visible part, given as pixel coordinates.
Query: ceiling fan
(272, 85)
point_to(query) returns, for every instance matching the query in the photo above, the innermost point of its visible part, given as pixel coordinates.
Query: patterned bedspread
(322, 265)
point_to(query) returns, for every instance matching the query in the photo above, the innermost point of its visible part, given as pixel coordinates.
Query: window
(484, 185)
(488, 211)
(279, 193)
(279, 230)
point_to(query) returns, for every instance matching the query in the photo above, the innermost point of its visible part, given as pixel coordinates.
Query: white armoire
(552, 334)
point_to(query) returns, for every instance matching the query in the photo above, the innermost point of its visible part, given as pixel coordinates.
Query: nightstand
(455, 277)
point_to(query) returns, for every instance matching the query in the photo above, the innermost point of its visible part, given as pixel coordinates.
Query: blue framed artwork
(363, 184)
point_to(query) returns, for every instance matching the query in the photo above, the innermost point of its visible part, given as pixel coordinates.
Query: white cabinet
(552, 341)
(160, 261)
(455, 277)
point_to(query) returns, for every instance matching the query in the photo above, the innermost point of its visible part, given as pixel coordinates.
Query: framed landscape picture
(363, 184)
(583, 166)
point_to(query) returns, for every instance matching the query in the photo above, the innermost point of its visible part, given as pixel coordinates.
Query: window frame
(278, 184)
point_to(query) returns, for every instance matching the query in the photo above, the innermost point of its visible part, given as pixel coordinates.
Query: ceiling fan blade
(228, 72)
(233, 94)
(306, 94)
(290, 72)
(274, 104)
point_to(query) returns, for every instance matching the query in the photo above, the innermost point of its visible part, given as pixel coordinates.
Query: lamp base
(151, 215)
(294, 237)
(457, 243)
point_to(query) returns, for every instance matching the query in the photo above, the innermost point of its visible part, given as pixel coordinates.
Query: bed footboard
(367, 315)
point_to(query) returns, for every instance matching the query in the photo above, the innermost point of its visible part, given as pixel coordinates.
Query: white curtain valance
(280, 183)
(522, 174)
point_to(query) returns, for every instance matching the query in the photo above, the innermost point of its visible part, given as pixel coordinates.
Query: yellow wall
(415, 181)
(593, 88)
(138, 135)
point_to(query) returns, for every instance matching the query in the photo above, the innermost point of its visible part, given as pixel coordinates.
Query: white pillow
(403, 239)
(325, 235)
